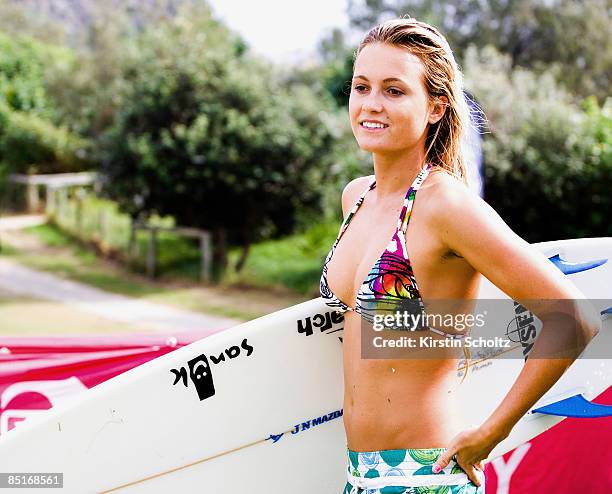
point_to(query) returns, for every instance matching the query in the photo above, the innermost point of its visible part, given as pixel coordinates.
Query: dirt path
(20, 280)
(163, 306)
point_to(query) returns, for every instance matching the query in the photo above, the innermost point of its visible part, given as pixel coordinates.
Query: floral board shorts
(406, 471)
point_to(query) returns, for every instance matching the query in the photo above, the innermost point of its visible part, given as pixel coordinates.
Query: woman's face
(388, 105)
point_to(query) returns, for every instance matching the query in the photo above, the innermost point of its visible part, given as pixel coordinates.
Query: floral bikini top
(391, 281)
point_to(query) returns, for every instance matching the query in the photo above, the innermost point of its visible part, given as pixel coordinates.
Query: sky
(281, 30)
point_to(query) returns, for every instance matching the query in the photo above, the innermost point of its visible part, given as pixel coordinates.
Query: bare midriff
(399, 403)
(409, 402)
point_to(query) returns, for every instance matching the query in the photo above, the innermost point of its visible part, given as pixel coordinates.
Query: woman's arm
(472, 229)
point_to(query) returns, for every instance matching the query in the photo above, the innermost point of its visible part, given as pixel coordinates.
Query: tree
(534, 33)
(30, 140)
(22, 66)
(337, 65)
(549, 160)
(208, 135)
(84, 87)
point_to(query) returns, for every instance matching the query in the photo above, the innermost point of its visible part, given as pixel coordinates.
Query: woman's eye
(393, 91)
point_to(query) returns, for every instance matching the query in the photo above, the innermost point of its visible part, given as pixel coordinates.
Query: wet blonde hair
(442, 77)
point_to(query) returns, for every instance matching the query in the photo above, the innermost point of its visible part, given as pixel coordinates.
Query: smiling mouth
(373, 126)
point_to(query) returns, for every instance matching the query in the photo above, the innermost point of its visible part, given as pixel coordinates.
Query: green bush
(590, 189)
(547, 160)
(30, 144)
(23, 62)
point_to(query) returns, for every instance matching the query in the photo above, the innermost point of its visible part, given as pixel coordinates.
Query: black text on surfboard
(324, 322)
(200, 371)
(523, 325)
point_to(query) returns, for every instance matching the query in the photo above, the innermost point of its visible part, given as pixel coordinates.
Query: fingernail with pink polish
(436, 468)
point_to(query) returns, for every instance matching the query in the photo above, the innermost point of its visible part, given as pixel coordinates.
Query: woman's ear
(437, 109)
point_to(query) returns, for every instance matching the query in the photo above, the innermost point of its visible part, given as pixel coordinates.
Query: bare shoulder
(352, 191)
(439, 192)
(456, 211)
(471, 228)
(448, 196)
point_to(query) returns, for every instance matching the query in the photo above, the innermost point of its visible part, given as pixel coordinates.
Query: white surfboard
(258, 408)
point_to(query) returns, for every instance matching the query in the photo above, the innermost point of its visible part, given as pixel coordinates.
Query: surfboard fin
(574, 267)
(575, 406)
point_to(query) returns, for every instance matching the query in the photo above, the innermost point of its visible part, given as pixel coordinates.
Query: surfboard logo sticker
(522, 328)
(302, 426)
(324, 322)
(200, 369)
(201, 377)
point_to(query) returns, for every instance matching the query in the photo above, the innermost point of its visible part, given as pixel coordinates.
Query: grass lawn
(293, 262)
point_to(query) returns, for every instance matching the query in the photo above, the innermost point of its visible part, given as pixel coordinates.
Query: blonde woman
(408, 109)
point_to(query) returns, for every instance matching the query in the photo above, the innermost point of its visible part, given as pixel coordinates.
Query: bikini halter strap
(404, 217)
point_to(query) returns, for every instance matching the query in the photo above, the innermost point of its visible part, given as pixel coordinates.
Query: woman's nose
(372, 102)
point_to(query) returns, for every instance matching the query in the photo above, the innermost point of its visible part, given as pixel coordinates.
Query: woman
(407, 108)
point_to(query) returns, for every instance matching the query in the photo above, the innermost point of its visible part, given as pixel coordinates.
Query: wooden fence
(205, 246)
(64, 195)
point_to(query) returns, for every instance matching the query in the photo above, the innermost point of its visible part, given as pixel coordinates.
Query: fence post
(62, 205)
(33, 198)
(102, 224)
(132, 238)
(206, 255)
(152, 253)
(50, 199)
(78, 215)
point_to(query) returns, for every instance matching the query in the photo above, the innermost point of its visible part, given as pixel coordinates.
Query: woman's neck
(394, 173)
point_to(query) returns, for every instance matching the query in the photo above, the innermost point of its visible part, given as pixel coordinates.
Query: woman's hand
(469, 447)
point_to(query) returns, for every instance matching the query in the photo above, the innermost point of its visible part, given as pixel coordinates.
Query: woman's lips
(374, 129)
